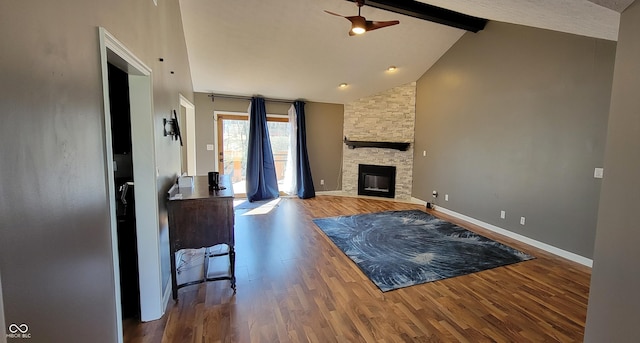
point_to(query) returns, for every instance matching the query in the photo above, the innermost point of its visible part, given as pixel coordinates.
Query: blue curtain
(303, 171)
(262, 182)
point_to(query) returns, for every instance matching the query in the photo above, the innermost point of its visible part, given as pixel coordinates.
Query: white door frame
(190, 126)
(144, 173)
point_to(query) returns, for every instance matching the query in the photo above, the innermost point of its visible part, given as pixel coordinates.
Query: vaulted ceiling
(294, 50)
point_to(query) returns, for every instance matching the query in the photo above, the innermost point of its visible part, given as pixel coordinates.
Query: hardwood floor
(294, 285)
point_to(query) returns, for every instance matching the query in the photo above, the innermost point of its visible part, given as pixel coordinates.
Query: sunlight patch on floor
(237, 202)
(263, 209)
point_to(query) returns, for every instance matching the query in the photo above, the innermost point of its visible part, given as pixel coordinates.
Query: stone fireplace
(385, 117)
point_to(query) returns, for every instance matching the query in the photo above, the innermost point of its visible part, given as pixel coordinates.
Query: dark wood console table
(202, 218)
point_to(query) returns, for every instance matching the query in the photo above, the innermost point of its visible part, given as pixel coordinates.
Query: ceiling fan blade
(355, 18)
(352, 19)
(372, 25)
(336, 14)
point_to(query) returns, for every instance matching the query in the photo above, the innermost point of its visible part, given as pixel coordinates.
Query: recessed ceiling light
(392, 68)
(343, 85)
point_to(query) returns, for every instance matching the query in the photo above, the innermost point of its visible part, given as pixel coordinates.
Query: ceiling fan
(360, 24)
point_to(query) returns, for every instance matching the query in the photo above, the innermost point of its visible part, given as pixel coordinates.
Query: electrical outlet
(521, 220)
(446, 197)
(503, 214)
(321, 182)
(435, 194)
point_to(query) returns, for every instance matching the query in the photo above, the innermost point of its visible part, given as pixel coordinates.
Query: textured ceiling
(292, 49)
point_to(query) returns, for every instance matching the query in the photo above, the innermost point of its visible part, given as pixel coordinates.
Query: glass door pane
(233, 142)
(279, 138)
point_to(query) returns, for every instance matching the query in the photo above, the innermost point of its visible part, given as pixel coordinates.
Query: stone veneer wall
(386, 117)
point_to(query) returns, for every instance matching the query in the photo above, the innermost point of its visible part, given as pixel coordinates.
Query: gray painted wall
(614, 302)
(324, 144)
(55, 244)
(514, 118)
(324, 135)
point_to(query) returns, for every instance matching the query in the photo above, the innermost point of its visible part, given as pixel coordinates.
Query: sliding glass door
(233, 140)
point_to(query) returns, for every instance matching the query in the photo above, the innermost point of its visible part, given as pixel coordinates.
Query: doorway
(233, 144)
(152, 296)
(124, 189)
(187, 121)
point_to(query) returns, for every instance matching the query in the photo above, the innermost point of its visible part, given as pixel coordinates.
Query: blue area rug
(398, 249)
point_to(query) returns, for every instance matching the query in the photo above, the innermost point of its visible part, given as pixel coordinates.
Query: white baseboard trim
(336, 193)
(544, 246)
(165, 297)
(418, 201)
(340, 193)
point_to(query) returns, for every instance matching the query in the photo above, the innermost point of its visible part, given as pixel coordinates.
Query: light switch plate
(598, 173)
(210, 147)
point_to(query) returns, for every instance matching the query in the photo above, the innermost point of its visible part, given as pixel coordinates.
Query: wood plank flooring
(294, 285)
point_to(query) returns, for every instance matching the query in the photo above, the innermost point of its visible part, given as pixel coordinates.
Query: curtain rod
(241, 97)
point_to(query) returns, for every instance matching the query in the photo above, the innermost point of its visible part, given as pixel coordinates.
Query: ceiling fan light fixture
(358, 25)
(358, 30)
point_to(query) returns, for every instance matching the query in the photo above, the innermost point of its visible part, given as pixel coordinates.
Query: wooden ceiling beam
(431, 13)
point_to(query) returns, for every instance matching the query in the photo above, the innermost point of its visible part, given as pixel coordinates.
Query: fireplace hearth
(377, 180)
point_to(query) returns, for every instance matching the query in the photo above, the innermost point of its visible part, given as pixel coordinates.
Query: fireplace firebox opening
(376, 180)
